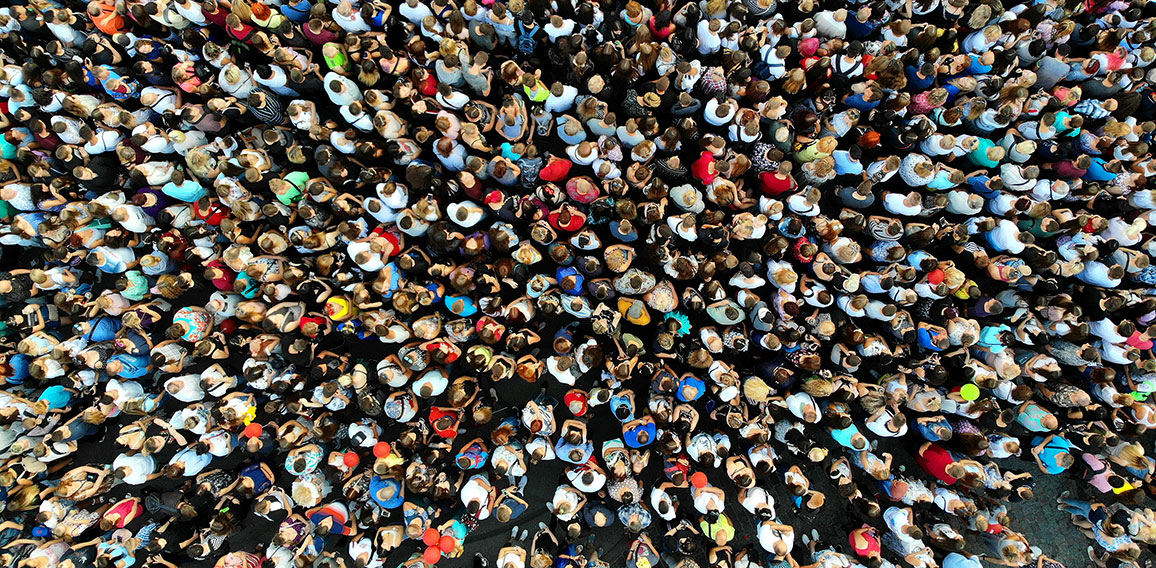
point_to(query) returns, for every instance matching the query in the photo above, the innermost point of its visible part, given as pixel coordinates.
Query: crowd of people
(294, 262)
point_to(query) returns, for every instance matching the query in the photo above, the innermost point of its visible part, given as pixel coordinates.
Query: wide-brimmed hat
(526, 253)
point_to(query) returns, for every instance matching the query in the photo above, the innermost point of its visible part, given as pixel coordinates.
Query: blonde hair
(819, 388)
(1132, 454)
(795, 80)
(756, 390)
(242, 10)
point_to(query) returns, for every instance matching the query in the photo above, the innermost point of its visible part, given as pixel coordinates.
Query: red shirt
(320, 321)
(217, 17)
(49, 142)
(320, 38)
(243, 35)
(578, 399)
(213, 215)
(556, 170)
(870, 544)
(661, 34)
(701, 168)
(223, 283)
(449, 432)
(934, 460)
(772, 185)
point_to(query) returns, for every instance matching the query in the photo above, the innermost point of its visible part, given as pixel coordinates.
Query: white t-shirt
(554, 33)
(351, 92)
(756, 498)
(352, 23)
(566, 494)
(194, 463)
(140, 467)
(706, 501)
(374, 263)
(106, 141)
(475, 490)
(123, 391)
(597, 482)
(190, 388)
(65, 33)
(277, 82)
(414, 14)
(769, 536)
(564, 102)
(657, 498)
(192, 13)
(219, 441)
(708, 41)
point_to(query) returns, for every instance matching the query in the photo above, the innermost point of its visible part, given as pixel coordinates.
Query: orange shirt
(108, 21)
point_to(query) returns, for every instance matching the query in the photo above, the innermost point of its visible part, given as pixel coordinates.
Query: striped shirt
(271, 112)
(1092, 109)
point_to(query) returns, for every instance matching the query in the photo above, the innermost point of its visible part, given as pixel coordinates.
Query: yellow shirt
(723, 524)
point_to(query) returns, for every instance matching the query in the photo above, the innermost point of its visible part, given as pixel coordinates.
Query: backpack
(526, 41)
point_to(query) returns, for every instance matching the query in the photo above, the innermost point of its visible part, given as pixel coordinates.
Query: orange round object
(381, 449)
(351, 459)
(254, 430)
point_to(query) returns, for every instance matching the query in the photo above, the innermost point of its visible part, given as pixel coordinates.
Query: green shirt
(140, 286)
(297, 182)
(7, 149)
(979, 155)
(338, 61)
(538, 93)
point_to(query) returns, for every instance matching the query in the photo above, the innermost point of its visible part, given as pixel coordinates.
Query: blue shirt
(957, 560)
(857, 29)
(135, 366)
(517, 507)
(189, 192)
(297, 12)
(377, 483)
(844, 165)
(1096, 171)
(978, 185)
(977, 68)
(843, 435)
(20, 363)
(1048, 454)
(631, 435)
(915, 81)
(103, 329)
(56, 396)
(858, 101)
(562, 449)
